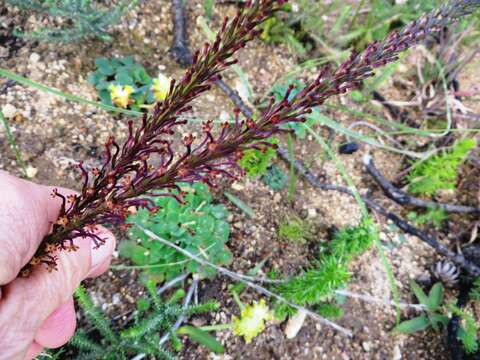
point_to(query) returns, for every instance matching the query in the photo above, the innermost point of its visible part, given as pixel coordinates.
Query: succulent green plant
(275, 178)
(198, 226)
(124, 72)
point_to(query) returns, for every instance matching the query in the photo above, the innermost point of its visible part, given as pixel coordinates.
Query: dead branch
(404, 199)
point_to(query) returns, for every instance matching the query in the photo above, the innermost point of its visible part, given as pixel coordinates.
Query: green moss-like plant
(440, 172)
(468, 331)
(256, 162)
(295, 229)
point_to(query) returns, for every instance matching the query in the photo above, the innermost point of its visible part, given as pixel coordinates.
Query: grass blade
(240, 204)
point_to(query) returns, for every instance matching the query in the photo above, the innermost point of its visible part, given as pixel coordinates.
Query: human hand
(38, 311)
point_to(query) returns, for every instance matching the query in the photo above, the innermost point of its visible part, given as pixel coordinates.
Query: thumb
(30, 301)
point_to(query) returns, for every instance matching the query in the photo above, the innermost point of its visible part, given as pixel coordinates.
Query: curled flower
(161, 86)
(121, 95)
(252, 320)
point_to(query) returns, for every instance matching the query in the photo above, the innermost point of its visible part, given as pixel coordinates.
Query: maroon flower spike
(147, 165)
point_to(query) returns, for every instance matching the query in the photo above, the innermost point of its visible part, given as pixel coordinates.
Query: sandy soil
(53, 134)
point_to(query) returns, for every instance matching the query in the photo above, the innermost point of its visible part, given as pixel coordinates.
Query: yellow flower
(121, 95)
(252, 321)
(161, 86)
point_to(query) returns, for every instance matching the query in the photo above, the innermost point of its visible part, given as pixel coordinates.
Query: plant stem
(357, 12)
(293, 177)
(13, 144)
(218, 327)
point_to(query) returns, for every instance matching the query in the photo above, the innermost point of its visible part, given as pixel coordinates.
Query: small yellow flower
(161, 86)
(252, 320)
(121, 95)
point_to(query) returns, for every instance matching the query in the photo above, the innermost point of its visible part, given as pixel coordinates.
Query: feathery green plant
(84, 18)
(142, 336)
(279, 30)
(317, 285)
(467, 333)
(440, 172)
(329, 310)
(432, 216)
(474, 293)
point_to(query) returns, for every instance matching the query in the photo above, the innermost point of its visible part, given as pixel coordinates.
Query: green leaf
(435, 297)
(240, 204)
(202, 337)
(94, 78)
(419, 293)
(140, 75)
(124, 78)
(411, 326)
(104, 66)
(103, 85)
(127, 60)
(219, 211)
(357, 96)
(133, 251)
(224, 257)
(436, 319)
(105, 97)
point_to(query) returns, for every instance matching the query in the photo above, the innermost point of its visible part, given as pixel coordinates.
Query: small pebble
(34, 58)
(366, 346)
(237, 186)
(9, 111)
(31, 171)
